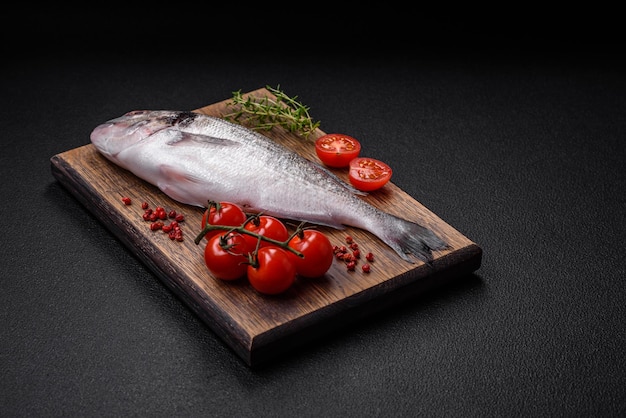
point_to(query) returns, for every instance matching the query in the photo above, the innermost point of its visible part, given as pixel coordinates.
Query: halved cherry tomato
(226, 256)
(317, 250)
(337, 150)
(230, 214)
(369, 174)
(273, 272)
(269, 227)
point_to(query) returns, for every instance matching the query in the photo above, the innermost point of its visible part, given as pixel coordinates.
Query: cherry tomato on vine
(337, 150)
(273, 272)
(367, 174)
(230, 214)
(317, 250)
(269, 227)
(226, 256)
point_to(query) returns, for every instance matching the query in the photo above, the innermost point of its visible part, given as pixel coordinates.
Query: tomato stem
(242, 230)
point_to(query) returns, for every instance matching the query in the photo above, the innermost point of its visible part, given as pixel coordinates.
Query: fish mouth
(101, 138)
(119, 134)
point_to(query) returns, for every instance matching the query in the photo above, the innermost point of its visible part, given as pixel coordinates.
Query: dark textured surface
(522, 151)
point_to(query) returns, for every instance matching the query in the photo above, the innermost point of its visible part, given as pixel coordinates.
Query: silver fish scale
(194, 157)
(276, 157)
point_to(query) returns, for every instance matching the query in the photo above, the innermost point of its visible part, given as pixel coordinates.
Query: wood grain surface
(260, 328)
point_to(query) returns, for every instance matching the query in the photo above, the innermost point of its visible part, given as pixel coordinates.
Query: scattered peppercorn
(158, 215)
(352, 254)
(155, 226)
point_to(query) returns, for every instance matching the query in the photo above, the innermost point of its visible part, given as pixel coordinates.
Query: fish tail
(406, 237)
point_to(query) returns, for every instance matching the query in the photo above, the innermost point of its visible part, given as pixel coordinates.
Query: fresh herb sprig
(264, 113)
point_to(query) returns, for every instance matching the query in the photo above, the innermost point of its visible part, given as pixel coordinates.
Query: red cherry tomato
(273, 273)
(367, 174)
(226, 256)
(317, 250)
(230, 214)
(269, 227)
(337, 150)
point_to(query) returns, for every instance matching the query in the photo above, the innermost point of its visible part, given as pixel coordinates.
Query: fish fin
(178, 184)
(333, 225)
(413, 238)
(176, 193)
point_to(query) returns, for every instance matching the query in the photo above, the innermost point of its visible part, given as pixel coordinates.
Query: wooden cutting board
(260, 328)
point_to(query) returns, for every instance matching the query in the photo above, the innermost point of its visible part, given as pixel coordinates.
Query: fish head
(116, 135)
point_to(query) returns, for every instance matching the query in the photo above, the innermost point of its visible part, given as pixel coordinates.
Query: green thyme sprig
(264, 113)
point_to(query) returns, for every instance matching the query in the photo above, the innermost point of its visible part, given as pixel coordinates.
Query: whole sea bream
(194, 158)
